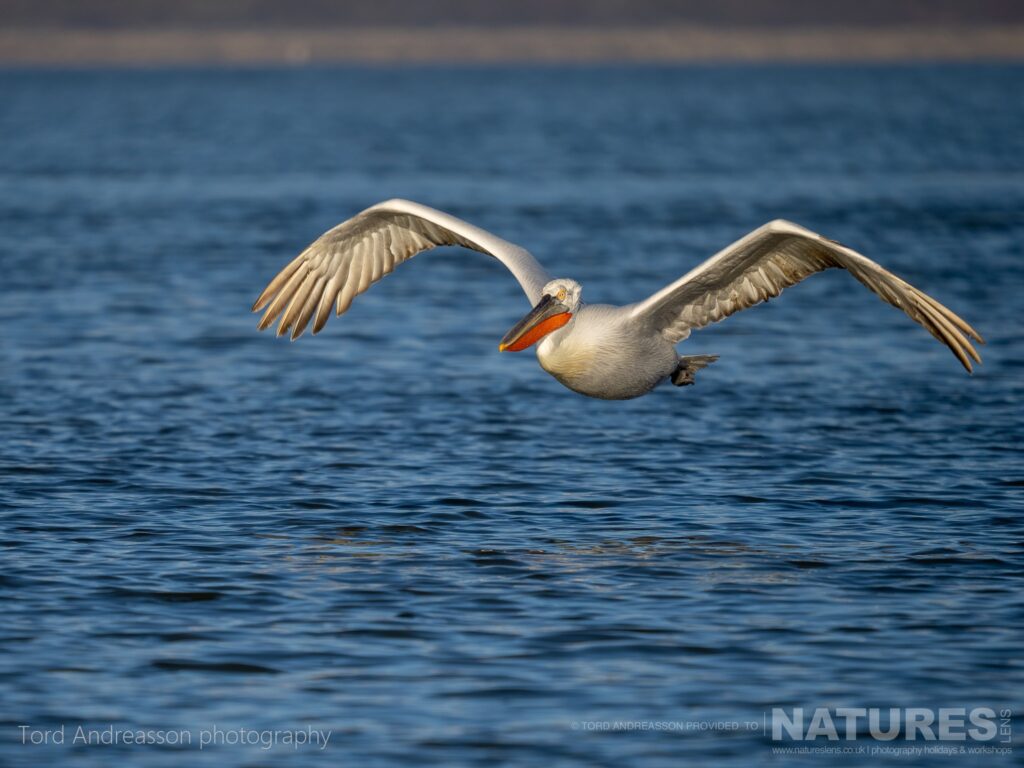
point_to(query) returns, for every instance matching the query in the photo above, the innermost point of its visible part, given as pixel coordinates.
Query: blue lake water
(434, 551)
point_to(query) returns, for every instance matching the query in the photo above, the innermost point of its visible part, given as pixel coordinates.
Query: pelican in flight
(599, 350)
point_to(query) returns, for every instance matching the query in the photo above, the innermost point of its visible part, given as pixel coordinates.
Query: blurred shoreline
(523, 44)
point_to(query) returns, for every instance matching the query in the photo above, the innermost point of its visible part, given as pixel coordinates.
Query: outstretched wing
(346, 260)
(776, 256)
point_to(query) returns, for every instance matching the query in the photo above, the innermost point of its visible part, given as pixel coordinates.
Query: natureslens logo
(957, 724)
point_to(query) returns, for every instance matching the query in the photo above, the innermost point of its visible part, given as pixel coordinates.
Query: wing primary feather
(280, 279)
(281, 300)
(365, 269)
(296, 304)
(945, 335)
(302, 320)
(962, 340)
(375, 260)
(323, 311)
(950, 315)
(387, 258)
(350, 287)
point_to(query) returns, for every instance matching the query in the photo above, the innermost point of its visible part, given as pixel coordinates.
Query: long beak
(549, 315)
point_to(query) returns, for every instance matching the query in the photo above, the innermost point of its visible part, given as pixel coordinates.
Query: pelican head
(559, 301)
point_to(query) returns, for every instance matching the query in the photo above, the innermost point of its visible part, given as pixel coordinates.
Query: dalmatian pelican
(599, 350)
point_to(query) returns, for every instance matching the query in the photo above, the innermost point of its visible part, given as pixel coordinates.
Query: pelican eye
(561, 294)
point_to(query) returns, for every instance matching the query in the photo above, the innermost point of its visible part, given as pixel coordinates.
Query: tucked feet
(682, 376)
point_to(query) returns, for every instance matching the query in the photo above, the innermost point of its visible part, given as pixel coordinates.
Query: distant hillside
(213, 14)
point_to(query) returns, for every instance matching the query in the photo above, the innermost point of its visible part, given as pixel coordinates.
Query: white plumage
(598, 350)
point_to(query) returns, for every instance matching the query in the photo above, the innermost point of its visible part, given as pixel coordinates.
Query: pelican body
(601, 352)
(598, 350)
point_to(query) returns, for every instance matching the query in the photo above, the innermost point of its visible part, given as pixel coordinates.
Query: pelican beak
(549, 315)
